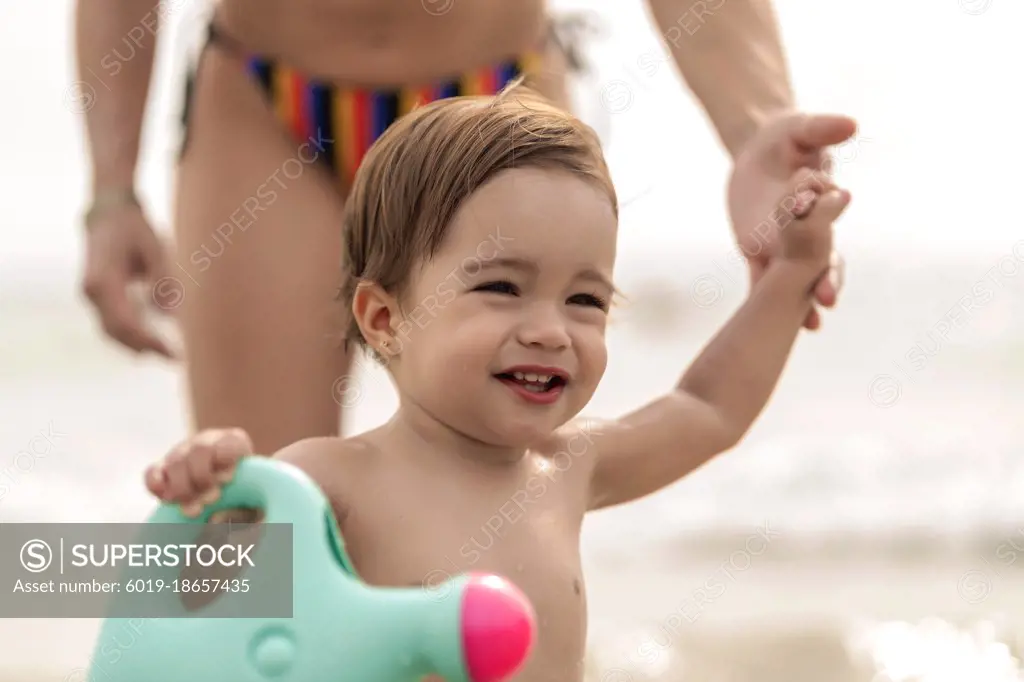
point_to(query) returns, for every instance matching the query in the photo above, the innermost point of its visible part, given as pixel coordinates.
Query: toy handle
(287, 496)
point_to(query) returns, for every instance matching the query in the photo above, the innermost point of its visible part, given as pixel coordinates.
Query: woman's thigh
(258, 237)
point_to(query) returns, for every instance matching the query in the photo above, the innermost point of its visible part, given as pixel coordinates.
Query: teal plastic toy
(342, 629)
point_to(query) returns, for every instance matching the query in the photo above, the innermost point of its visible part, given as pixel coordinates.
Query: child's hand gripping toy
(473, 629)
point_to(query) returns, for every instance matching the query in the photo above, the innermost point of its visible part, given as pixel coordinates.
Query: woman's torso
(385, 42)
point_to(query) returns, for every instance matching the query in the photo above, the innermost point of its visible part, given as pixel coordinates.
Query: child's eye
(499, 288)
(592, 300)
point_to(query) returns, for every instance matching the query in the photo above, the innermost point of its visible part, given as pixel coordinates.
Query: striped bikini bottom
(343, 122)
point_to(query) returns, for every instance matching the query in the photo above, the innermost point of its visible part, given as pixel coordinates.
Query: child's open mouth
(535, 383)
(534, 387)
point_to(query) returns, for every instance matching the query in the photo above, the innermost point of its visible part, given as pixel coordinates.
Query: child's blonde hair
(417, 174)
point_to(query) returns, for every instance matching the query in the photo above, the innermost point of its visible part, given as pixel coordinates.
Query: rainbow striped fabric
(349, 120)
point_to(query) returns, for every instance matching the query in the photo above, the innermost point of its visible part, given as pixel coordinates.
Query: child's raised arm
(725, 389)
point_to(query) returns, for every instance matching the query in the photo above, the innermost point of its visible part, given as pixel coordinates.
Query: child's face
(522, 281)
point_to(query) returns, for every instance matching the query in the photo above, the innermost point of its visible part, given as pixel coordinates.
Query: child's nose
(545, 329)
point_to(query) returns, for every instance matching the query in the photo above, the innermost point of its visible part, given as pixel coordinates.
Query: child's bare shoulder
(315, 454)
(337, 465)
(577, 439)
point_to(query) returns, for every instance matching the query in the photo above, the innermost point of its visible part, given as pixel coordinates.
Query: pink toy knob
(498, 626)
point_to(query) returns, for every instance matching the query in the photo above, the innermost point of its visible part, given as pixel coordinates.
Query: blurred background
(867, 528)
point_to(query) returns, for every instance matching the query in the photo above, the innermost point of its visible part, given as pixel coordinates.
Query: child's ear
(377, 314)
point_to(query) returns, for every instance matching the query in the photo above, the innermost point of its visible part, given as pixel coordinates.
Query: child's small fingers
(193, 506)
(803, 203)
(224, 476)
(200, 468)
(231, 446)
(156, 480)
(806, 185)
(813, 320)
(829, 207)
(826, 291)
(837, 275)
(812, 180)
(192, 509)
(210, 496)
(179, 481)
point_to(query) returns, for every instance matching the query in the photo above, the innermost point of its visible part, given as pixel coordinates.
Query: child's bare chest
(423, 536)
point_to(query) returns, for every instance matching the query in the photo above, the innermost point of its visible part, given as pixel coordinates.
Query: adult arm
(730, 54)
(115, 42)
(114, 85)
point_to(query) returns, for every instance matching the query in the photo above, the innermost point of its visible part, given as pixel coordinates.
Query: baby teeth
(521, 376)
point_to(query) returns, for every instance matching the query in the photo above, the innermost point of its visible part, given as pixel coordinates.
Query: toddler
(479, 252)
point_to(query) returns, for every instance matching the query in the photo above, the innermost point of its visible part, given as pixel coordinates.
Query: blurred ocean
(855, 500)
(866, 529)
